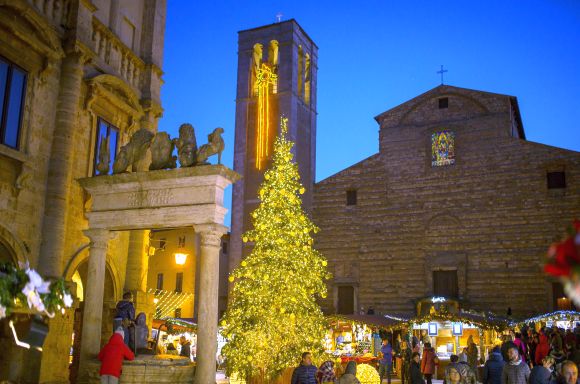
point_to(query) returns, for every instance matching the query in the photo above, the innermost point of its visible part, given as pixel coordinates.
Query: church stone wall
(490, 216)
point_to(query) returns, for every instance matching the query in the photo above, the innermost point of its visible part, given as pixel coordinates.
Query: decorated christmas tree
(273, 315)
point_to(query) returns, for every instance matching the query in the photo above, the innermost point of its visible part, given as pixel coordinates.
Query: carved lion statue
(134, 151)
(215, 145)
(186, 145)
(161, 152)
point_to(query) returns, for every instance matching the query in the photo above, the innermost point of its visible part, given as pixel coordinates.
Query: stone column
(207, 325)
(136, 273)
(93, 305)
(60, 167)
(137, 261)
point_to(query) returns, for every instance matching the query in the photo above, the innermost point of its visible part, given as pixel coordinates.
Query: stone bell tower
(277, 66)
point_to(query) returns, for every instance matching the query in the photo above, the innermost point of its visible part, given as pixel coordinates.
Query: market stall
(357, 337)
(167, 332)
(449, 329)
(560, 319)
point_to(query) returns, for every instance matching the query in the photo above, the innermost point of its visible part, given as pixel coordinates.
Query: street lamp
(180, 258)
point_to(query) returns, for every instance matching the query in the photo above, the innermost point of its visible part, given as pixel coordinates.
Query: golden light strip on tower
(264, 78)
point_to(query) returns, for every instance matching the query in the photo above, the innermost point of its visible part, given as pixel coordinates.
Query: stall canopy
(482, 320)
(558, 316)
(376, 321)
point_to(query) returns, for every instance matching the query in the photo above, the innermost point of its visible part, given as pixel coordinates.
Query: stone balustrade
(56, 11)
(116, 54)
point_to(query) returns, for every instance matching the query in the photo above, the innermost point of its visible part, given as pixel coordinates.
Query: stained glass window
(442, 148)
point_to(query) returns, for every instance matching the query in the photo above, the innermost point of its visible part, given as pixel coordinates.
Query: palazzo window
(351, 197)
(442, 148)
(160, 281)
(107, 139)
(556, 180)
(179, 282)
(12, 93)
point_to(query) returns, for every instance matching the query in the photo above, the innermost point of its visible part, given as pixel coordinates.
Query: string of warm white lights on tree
(273, 315)
(168, 301)
(265, 78)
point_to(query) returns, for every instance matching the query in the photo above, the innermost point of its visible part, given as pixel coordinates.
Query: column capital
(210, 234)
(99, 237)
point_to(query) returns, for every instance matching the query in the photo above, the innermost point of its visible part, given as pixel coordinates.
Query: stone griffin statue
(104, 156)
(134, 151)
(161, 150)
(186, 146)
(215, 145)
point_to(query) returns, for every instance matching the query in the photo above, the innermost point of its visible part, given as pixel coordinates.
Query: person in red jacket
(428, 362)
(543, 348)
(112, 356)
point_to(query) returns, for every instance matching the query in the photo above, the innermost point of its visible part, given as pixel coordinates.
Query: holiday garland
(20, 287)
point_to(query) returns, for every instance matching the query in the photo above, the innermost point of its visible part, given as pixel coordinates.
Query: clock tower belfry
(277, 67)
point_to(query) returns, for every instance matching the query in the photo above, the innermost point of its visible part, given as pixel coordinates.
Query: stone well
(150, 369)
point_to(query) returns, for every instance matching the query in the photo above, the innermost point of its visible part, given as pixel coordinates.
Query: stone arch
(39, 35)
(80, 256)
(273, 52)
(13, 248)
(257, 55)
(442, 220)
(473, 101)
(300, 70)
(307, 78)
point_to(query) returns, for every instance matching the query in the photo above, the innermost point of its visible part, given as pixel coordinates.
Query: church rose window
(442, 148)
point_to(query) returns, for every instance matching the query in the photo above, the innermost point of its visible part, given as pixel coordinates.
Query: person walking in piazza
(428, 362)
(521, 346)
(405, 363)
(472, 353)
(386, 362)
(453, 363)
(543, 348)
(453, 375)
(515, 371)
(349, 376)
(185, 347)
(112, 356)
(416, 375)
(542, 374)
(493, 367)
(568, 373)
(125, 317)
(463, 355)
(305, 373)
(326, 373)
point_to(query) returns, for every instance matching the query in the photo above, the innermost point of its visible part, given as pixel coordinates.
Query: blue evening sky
(374, 55)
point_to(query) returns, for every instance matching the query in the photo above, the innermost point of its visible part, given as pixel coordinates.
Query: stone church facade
(71, 73)
(456, 203)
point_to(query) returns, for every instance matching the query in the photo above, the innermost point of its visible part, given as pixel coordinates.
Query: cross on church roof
(441, 72)
(279, 17)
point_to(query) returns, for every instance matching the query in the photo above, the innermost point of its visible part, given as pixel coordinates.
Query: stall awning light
(180, 258)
